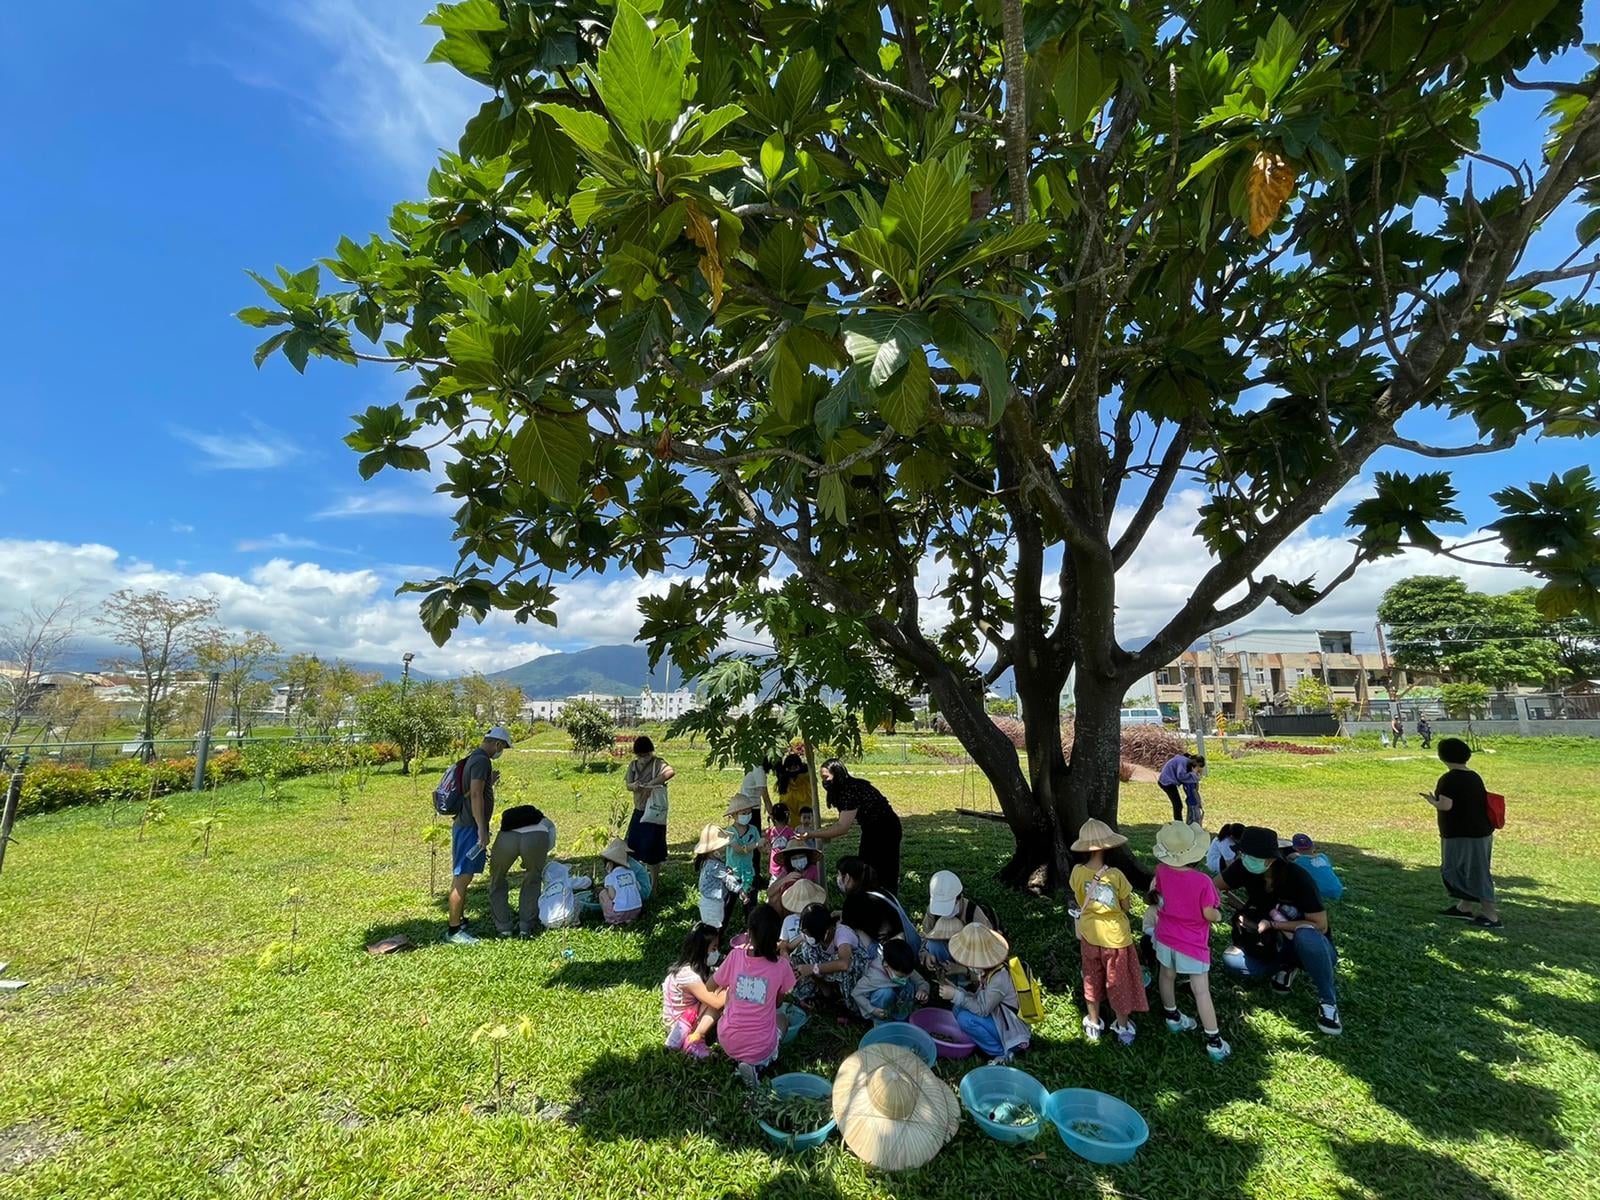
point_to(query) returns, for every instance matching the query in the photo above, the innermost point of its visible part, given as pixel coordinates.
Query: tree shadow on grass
(1390, 1171)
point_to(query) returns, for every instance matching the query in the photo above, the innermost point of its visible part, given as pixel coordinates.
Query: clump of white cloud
(235, 450)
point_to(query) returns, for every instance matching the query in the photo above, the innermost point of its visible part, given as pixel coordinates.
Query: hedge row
(48, 786)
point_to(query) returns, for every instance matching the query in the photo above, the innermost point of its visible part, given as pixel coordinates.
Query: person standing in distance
(1183, 770)
(469, 833)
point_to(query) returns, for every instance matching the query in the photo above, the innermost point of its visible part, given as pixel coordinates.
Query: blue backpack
(449, 797)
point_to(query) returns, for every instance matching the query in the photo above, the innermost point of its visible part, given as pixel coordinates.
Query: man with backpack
(472, 802)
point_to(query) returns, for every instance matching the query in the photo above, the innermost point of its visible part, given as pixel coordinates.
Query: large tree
(32, 645)
(835, 290)
(241, 661)
(161, 634)
(1439, 627)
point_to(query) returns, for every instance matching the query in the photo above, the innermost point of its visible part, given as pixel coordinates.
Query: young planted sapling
(204, 830)
(497, 1035)
(434, 835)
(283, 951)
(155, 812)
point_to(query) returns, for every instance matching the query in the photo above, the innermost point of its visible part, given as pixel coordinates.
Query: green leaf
(261, 317)
(465, 52)
(833, 410)
(708, 124)
(926, 211)
(629, 341)
(881, 343)
(1080, 86)
(878, 253)
(903, 401)
(1276, 57)
(831, 499)
(588, 130)
(548, 452)
(787, 373)
(266, 349)
(1208, 160)
(642, 78)
(1041, 22)
(1010, 240)
(772, 155)
(468, 16)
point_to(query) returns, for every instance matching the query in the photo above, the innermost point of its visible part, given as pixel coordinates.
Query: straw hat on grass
(891, 1109)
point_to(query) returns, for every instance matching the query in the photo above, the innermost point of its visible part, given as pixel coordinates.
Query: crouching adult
(1281, 927)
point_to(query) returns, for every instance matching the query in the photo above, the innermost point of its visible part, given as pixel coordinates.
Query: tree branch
(899, 93)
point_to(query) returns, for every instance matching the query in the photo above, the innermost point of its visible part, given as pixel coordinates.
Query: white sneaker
(1092, 1029)
(675, 1036)
(460, 938)
(1218, 1050)
(1183, 1024)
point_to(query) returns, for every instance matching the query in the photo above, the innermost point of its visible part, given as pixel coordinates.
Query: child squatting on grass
(689, 1004)
(1189, 906)
(1102, 898)
(753, 979)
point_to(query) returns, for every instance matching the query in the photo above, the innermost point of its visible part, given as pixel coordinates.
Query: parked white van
(1141, 716)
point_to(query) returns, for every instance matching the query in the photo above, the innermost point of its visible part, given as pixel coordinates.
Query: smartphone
(1428, 796)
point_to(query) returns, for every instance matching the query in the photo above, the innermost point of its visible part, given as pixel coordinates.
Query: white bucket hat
(499, 734)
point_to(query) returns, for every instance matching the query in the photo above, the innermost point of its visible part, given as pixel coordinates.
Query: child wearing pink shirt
(1189, 906)
(754, 978)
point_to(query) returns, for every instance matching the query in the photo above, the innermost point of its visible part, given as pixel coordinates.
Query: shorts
(1113, 975)
(1181, 963)
(647, 841)
(466, 856)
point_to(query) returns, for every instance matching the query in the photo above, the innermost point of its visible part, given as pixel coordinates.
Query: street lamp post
(405, 672)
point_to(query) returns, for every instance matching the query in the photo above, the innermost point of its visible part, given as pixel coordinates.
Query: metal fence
(1501, 706)
(104, 754)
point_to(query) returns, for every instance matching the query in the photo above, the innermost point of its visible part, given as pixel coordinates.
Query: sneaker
(508, 933)
(1328, 1019)
(675, 1036)
(1482, 922)
(460, 937)
(1453, 911)
(1124, 1033)
(748, 1075)
(1182, 1023)
(1216, 1048)
(1092, 1029)
(1284, 979)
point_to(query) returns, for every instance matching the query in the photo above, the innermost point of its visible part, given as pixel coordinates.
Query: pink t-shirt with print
(1180, 925)
(748, 1027)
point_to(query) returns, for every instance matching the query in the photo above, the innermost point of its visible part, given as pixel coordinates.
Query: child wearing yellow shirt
(1111, 971)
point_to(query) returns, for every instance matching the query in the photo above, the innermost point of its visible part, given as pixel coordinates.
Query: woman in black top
(860, 804)
(1466, 837)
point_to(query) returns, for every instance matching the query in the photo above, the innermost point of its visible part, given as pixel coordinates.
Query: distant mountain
(611, 670)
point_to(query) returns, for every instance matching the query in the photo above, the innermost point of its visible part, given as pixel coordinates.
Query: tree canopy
(1437, 626)
(927, 306)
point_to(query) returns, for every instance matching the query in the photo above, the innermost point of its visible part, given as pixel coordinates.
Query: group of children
(864, 960)
(1182, 906)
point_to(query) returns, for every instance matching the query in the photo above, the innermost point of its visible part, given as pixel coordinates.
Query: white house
(666, 706)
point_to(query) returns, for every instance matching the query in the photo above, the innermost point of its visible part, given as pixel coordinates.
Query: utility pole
(1216, 687)
(1191, 700)
(1390, 684)
(405, 672)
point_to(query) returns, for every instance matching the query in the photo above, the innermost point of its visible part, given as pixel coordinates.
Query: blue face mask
(799, 862)
(1256, 866)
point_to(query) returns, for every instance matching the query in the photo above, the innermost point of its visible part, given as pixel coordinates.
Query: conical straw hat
(741, 803)
(979, 947)
(946, 928)
(891, 1110)
(712, 839)
(616, 852)
(797, 896)
(1097, 835)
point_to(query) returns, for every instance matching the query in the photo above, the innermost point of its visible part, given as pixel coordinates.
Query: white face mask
(713, 958)
(743, 818)
(839, 883)
(810, 941)
(798, 862)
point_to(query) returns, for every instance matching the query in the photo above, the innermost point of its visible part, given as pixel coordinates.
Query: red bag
(1496, 804)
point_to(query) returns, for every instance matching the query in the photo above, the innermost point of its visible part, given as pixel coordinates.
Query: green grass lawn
(155, 1055)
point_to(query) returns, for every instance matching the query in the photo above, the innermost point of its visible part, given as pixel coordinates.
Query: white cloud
(284, 541)
(237, 451)
(181, 527)
(371, 85)
(352, 614)
(387, 502)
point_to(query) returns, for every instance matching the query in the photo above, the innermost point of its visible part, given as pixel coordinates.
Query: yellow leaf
(704, 235)
(1269, 186)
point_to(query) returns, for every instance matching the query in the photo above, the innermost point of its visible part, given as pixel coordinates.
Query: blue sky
(155, 152)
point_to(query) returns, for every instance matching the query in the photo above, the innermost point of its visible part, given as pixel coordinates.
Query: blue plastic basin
(985, 1089)
(799, 1083)
(1110, 1132)
(900, 1033)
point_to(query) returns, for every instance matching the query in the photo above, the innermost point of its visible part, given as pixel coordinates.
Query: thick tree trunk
(997, 759)
(1093, 783)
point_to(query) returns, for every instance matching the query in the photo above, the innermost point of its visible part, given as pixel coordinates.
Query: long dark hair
(790, 769)
(860, 870)
(870, 915)
(765, 926)
(695, 948)
(838, 773)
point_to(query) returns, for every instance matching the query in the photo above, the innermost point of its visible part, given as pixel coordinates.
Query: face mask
(1256, 866)
(810, 941)
(798, 862)
(743, 818)
(498, 752)
(713, 958)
